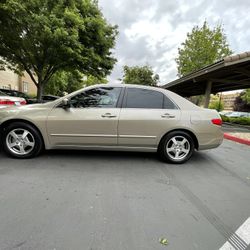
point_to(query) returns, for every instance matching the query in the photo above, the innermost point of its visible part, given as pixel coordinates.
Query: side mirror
(65, 103)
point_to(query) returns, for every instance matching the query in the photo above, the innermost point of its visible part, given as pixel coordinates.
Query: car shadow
(96, 155)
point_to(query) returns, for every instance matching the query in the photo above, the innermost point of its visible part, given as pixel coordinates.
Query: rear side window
(144, 98)
(7, 92)
(2, 93)
(168, 104)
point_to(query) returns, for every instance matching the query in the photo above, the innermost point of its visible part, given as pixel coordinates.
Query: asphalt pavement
(123, 201)
(230, 127)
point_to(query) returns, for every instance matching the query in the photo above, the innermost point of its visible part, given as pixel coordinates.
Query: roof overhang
(230, 73)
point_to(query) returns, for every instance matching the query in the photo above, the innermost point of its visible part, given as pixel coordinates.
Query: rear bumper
(210, 140)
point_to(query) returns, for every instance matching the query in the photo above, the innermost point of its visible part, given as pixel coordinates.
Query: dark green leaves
(140, 75)
(47, 36)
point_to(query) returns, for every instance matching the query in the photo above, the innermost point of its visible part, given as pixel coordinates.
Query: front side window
(103, 97)
(144, 98)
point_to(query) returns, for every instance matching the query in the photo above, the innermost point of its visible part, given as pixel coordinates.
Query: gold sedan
(112, 117)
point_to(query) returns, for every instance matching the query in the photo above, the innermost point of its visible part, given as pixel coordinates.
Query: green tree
(216, 103)
(203, 46)
(91, 80)
(66, 82)
(43, 37)
(241, 104)
(140, 75)
(63, 81)
(246, 96)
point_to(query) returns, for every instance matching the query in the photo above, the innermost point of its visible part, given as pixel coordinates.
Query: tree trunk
(39, 92)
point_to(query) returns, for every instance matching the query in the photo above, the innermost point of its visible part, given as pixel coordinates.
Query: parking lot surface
(118, 201)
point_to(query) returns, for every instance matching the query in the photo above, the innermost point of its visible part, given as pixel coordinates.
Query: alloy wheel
(20, 141)
(178, 147)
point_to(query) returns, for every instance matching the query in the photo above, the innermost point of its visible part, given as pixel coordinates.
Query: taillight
(23, 102)
(217, 121)
(6, 102)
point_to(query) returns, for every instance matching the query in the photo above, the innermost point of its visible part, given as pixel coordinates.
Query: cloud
(150, 31)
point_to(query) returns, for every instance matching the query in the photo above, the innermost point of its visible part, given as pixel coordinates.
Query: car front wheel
(21, 140)
(176, 147)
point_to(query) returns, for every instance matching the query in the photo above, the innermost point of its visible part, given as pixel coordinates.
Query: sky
(150, 31)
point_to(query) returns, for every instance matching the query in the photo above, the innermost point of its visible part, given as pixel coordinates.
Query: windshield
(2, 94)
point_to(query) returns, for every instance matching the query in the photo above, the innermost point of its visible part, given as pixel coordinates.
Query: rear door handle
(167, 115)
(108, 115)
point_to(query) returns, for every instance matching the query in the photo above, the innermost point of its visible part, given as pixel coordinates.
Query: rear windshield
(1, 93)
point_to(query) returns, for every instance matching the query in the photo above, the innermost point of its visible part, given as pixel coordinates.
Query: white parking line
(240, 240)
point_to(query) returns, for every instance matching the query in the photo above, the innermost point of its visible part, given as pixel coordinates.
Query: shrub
(239, 120)
(224, 118)
(216, 103)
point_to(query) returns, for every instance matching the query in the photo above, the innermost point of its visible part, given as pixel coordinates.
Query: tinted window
(14, 93)
(20, 94)
(144, 98)
(168, 104)
(2, 94)
(7, 92)
(104, 97)
(49, 98)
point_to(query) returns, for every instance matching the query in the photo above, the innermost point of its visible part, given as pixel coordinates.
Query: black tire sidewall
(165, 140)
(37, 137)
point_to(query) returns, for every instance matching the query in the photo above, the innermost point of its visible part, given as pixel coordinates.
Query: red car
(6, 100)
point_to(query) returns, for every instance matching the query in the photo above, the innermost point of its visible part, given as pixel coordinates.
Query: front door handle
(108, 115)
(167, 115)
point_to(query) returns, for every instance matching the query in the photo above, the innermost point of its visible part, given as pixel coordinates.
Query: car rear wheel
(21, 140)
(176, 147)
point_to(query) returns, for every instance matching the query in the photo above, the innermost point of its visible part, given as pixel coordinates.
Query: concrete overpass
(230, 73)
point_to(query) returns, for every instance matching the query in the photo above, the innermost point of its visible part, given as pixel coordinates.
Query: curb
(236, 139)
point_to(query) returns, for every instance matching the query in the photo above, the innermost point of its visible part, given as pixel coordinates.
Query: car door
(91, 119)
(145, 117)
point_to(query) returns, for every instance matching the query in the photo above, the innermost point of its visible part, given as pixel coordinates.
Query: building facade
(10, 80)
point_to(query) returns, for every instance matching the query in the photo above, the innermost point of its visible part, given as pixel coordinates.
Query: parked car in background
(29, 100)
(116, 117)
(46, 98)
(16, 93)
(6, 100)
(237, 114)
(49, 98)
(225, 113)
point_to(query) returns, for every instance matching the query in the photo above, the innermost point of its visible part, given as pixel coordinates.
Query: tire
(21, 140)
(176, 147)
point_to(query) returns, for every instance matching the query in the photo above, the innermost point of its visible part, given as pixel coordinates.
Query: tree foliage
(246, 96)
(240, 103)
(216, 103)
(91, 80)
(140, 75)
(43, 37)
(203, 46)
(64, 82)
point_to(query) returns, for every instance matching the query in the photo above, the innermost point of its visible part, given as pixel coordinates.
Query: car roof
(123, 85)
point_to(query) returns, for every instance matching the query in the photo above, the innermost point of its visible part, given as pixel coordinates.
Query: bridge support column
(208, 93)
